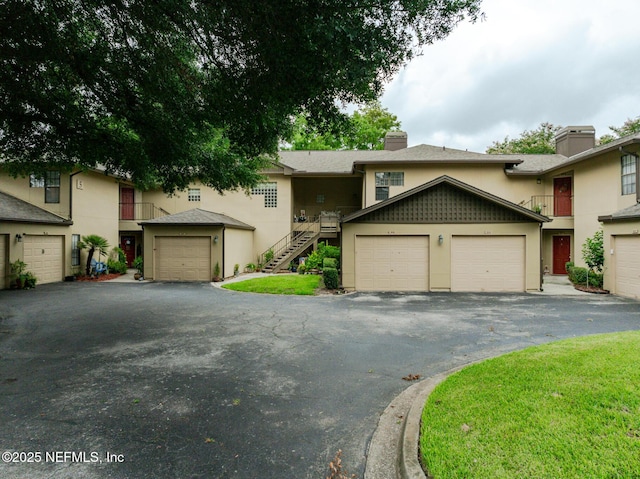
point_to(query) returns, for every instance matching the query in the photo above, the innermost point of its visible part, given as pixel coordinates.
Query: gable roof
(333, 162)
(445, 200)
(198, 217)
(19, 211)
(433, 154)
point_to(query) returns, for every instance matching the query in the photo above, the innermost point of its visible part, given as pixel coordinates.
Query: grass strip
(297, 284)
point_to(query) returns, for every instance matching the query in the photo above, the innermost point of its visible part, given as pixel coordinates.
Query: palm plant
(93, 243)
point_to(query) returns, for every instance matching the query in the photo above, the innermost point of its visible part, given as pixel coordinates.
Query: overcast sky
(567, 62)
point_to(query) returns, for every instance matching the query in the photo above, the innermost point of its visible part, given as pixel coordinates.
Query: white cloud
(568, 62)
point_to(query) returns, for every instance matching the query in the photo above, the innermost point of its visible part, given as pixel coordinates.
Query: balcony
(140, 211)
(551, 206)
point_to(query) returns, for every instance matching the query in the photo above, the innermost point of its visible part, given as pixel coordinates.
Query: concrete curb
(393, 450)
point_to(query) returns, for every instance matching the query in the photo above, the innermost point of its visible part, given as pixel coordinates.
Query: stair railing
(277, 249)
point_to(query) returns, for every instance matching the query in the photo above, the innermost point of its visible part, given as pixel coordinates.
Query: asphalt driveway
(118, 380)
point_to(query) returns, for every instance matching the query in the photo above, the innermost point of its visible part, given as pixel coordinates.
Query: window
(194, 194)
(36, 181)
(52, 187)
(629, 167)
(319, 198)
(270, 192)
(75, 251)
(386, 179)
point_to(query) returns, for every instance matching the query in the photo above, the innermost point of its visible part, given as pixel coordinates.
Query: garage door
(44, 256)
(488, 263)
(627, 264)
(179, 258)
(392, 263)
(3, 261)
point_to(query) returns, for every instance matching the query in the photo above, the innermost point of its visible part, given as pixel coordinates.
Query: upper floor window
(194, 194)
(270, 192)
(386, 179)
(52, 187)
(629, 166)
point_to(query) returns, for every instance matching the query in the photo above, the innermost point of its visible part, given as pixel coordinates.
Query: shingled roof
(19, 211)
(198, 217)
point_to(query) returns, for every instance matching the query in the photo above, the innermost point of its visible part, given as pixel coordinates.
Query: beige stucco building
(508, 219)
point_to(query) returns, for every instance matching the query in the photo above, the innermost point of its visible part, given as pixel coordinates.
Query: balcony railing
(550, 205)
(140, 211)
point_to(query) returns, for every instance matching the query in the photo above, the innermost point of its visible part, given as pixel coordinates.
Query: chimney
(395, 140)
(575, 139)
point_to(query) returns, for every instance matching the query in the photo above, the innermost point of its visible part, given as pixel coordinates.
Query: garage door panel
(488, 263)
(392, 263)
(627, 265)
(183, 258)
(44, 256)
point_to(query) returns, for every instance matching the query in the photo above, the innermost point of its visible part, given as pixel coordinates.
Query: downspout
(541, 259)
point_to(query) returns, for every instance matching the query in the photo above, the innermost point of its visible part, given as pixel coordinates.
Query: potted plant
(138, 264)
(236, 269)
(250, 268)
(216, 273)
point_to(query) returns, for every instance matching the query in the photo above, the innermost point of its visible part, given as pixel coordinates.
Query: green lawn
(569, 409)
(279, 284)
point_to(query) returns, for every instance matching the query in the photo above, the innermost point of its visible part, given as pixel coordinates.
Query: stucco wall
(238, 249)
(440, 254)
(488, 177)
(271, 224)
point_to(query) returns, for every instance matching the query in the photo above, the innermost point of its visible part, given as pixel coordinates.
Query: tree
(173, 90)
(629, 127)
(593, 251)
(364, 130)
(538, 141)
(93, 243)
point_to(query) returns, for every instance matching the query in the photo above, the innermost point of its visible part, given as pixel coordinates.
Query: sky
(566, 62)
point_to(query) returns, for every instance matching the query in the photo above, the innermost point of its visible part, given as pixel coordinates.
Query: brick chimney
(575, 139)
(395, 140)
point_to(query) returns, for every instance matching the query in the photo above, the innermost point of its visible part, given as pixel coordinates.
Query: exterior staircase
(288, 248)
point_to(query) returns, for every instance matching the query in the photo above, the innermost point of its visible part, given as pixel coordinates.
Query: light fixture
(538, 181)
(215, 239)
(440, 239)
(18, 238)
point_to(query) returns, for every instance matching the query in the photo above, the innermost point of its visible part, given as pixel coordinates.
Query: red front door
(562, 196)
(126, 204)
(128, 245)
(561, 253)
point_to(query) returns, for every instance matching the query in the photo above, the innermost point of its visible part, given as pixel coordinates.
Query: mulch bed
(590, 289)
(101, 277)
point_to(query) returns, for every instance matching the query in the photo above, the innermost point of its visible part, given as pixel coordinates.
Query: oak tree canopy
(169, 91)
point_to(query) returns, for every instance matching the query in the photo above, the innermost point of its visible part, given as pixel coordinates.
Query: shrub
(268, 256)
(116, 266)
(330, 278)
(330, 263)
(302, 268)
(568, 265)
(578, 275)
(593, 251)
(314, 260)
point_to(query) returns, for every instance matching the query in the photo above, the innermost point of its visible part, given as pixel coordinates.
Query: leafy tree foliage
(538, 141)
(173, 90)
(593, 251)
(364, 130)
(629, 127)
(93, 243)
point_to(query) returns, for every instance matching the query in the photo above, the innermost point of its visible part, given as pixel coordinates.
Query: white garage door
(627, 260)
(392, 263)
(488, 263)
(3, 261)
(44, 256)
(180, 258)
